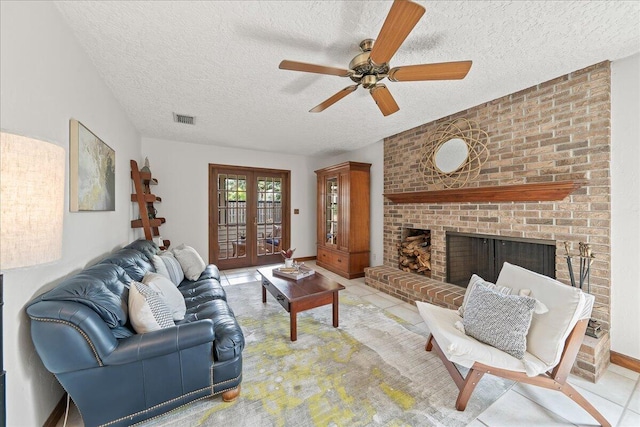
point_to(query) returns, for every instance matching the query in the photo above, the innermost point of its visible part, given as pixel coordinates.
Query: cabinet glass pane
(331, 214)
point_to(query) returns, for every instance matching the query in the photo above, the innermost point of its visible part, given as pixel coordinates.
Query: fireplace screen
(484, 255)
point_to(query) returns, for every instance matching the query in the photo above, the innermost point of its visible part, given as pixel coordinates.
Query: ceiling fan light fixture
(371, 65)
(369, 81)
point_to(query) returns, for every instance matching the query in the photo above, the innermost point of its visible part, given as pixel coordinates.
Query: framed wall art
(92, 171)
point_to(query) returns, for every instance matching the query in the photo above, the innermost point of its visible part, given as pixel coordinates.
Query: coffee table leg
(293, 316)
(264, 294)
(335, 309)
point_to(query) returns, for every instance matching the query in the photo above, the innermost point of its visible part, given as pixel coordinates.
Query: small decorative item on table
(297, 272)
(287, 255)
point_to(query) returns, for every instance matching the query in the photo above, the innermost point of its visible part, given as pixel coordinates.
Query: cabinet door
(345, 207)
(332, 201)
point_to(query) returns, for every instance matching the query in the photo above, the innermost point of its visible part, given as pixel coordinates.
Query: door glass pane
(232, 216)
(269, 215)
(331, 214)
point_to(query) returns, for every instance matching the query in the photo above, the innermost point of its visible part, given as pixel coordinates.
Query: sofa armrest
(164, 341)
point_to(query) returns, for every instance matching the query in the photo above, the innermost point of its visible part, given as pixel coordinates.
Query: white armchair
(552, 341)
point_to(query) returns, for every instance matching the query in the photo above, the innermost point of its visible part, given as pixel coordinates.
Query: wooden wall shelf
(534, 192)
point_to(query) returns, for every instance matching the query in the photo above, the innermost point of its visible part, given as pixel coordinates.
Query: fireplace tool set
(594, 329)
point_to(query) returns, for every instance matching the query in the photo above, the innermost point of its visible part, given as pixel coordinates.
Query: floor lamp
(31, 212)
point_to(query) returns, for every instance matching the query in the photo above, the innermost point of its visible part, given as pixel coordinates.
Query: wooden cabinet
(148, 221)
(343, 218)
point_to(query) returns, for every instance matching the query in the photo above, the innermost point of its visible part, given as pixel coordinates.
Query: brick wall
(557, 130)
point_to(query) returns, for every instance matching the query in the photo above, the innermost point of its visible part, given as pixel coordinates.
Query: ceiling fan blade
(403, 16)
(335, 98)
(383, 98)
(313, 68)
(441, 71)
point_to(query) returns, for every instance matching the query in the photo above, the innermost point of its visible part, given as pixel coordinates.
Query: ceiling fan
(371, 66)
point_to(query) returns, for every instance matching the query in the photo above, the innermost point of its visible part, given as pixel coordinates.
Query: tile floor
(616, 395)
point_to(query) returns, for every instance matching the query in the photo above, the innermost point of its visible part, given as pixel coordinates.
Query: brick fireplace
(555, 131)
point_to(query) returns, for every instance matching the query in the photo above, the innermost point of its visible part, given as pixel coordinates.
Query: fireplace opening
(484, 255)
(414, 251)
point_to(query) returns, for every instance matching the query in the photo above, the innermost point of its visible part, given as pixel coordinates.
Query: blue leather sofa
(116, 377)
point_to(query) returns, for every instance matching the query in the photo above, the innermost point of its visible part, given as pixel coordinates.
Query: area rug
(371, 370)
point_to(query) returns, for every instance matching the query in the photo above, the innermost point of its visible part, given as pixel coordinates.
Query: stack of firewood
(414, 254)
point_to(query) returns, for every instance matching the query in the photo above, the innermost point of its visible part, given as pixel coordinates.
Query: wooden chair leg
(429, 345)
(470, 383)
(231, 395)
(572, 394)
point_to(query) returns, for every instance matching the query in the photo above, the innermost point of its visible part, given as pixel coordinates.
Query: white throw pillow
(168, 292)
(191, 262)
(147, 311)
(167, 265)
(158, 264)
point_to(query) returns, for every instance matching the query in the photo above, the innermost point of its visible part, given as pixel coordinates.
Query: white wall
(373, 154)
(625, 206)
(182, 170)
(46, 79)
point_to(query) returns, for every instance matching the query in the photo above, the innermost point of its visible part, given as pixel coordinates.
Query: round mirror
(451, 155)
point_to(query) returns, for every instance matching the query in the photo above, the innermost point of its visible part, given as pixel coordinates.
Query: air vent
(182, 118)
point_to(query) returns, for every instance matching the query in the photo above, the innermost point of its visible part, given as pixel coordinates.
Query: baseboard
(57, 413)
(306, 258)
(625, 361)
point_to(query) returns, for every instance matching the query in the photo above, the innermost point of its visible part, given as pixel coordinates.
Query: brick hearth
(555, 131)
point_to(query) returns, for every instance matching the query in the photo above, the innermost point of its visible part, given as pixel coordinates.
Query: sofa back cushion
(132, 261)
(548, 331)
(103, 287)
(148, 247)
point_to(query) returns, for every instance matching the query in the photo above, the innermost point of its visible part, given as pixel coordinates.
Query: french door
(248, 215)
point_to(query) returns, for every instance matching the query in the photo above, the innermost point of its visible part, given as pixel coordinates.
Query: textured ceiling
(219, 62)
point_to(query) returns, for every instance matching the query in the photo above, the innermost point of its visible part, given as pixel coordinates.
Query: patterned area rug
(372, 370)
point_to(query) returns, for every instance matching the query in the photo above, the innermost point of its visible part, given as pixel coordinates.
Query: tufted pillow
(191, 262)
(147, 311)
(502, 321)
(475, 280)
(168, 292)
(167, 265)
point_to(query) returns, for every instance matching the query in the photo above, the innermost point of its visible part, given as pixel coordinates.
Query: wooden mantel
(534, 192)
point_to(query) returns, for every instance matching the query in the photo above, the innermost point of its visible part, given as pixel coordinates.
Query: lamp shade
(31, 201)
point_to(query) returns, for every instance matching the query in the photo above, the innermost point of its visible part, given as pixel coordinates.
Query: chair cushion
(499, 320)
(565, 303)
(465, 350)
(274, 242)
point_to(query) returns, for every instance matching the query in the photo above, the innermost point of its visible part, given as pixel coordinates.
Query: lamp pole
(3, 384)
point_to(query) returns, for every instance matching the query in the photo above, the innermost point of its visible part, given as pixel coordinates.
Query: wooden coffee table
(300, 295)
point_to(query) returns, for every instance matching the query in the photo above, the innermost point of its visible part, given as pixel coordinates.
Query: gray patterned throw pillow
(501, 321)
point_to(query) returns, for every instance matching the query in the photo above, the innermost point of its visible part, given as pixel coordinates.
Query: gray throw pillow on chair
(502, 321)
